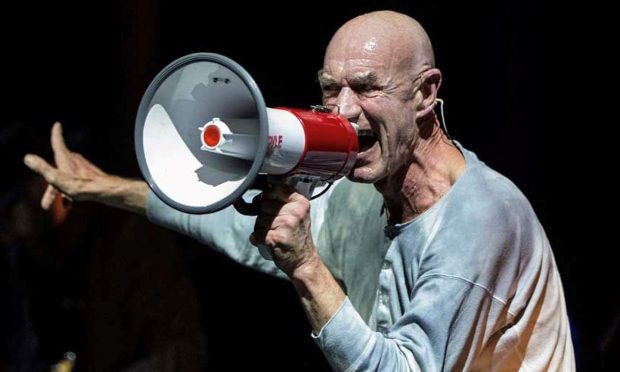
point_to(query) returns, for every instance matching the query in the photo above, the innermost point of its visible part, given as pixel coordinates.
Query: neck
(434, 166)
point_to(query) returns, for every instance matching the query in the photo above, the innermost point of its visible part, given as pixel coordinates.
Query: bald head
(392, 36)
(379, 73)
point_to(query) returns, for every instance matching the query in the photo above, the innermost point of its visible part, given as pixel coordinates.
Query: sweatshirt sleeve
(226, 231)
(440, 330)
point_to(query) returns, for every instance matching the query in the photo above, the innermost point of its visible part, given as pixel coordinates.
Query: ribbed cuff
(345, 339)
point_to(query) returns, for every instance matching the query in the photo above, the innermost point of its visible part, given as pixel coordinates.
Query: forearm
(225, 231)
(320, 294)
(347, 342)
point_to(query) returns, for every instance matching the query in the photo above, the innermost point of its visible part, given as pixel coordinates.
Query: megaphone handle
(253, 208)
(305, 188)
(265, 252)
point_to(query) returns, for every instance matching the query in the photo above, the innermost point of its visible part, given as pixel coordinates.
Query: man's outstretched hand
(71, 174)
(79, 179)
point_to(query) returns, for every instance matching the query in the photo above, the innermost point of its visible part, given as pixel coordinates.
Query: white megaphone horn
(204, 135)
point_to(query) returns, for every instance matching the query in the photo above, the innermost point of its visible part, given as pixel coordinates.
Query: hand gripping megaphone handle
(303, 186)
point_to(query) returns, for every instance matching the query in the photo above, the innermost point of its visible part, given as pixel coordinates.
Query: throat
(412, 200)
(416, 187)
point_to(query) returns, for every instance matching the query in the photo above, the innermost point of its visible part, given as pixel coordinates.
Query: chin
(359, 179)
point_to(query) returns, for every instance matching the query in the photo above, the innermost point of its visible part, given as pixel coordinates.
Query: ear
(431, 80)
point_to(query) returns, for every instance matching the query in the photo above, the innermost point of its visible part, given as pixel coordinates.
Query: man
(462, 277)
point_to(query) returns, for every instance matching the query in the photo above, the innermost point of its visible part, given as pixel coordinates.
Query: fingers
(48, 172)
(62, 155)
(58, 141)
(83, 163)
(282, 211)
(49, 197)
(52, 175)
(37, 164)
(271, 229)
(66, 160)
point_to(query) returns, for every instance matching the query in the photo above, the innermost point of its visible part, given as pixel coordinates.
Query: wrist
(318, 291)
(123, 193)
(308, 269)
(313, 278)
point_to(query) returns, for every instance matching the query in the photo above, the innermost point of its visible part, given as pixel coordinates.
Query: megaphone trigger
(248, 209)
(252, 208)
(263, 182)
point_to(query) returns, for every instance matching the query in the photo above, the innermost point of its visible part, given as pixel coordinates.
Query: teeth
(365, 133)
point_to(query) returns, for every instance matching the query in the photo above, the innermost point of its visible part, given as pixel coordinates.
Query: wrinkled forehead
(358, 42)
(365, 53)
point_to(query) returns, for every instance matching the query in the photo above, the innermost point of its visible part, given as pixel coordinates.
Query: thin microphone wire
(443, 117)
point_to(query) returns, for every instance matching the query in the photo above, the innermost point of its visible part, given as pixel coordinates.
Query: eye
(370, 93)
(367, 90)
(330, 90)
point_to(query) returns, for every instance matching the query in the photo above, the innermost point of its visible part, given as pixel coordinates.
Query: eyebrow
(324, 78)
(367, 78)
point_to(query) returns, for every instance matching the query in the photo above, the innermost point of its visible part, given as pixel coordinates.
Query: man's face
(373, 86)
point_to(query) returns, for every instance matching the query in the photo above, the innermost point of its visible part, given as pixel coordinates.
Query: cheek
(404, 133)
(380, 112)
(397, 121)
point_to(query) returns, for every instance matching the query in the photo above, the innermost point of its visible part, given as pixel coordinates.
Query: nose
(348, 104)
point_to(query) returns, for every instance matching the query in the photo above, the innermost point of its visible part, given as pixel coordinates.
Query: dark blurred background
(124, 295)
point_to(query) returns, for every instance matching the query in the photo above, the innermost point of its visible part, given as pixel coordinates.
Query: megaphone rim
(263, 130)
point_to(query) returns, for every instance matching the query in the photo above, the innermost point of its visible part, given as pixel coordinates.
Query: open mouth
(366, 138)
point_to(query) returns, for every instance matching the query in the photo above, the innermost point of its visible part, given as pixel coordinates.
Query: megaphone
(204, 135)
